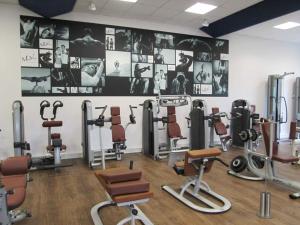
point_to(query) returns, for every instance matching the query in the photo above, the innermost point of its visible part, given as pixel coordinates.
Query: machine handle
(44, 104)
(286, 117)
(56, 105)
(103, 109)
(132, 116)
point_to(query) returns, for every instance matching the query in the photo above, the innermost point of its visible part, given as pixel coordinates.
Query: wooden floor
(66, 197)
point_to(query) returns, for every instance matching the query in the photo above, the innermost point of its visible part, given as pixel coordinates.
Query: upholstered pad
(171, 118)
(174, 130)
(179, 164)
(128, 187)
(293, 130)
(52, 123)
(171, 110)
(14, 181)
(55, 136)
(215, 110)
(115, 120)
(114, 175)
(132, 197)
(204, 153)
(16, 199)
(51, 148)
(118, 133)
(115, 111)
(14, 166)
(220, 128)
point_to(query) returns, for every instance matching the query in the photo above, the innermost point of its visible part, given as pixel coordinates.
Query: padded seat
(55, 136)
(51, 147)
(52, 123)
(14, 165)
(114, 175)
(118, 133)
(277, 155)
(16, 199)
(204, 153)
(14, 181)
(129, 187)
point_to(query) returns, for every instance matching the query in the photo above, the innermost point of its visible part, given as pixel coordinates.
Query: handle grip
(44, 104)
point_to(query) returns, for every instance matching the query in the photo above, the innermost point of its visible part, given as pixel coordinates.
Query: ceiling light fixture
(129, 1)
(92, 6)
(205, 23)
(200, 8)
(287, 25)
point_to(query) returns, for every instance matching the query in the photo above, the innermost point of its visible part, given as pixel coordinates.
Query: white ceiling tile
(179, 5)
(156, 3)
(116, 5)
(165, 13)
(140, 9)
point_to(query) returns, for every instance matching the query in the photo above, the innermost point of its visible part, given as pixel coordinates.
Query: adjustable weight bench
(196, 163)
(124, 187)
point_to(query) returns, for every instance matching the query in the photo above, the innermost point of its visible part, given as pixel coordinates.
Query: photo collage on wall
(69, 58)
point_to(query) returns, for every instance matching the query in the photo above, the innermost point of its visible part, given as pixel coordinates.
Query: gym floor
(66, 197)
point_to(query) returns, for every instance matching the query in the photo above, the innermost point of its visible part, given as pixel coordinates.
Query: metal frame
(268, 171)
(135, 212)
(193, 186)
(9, 217)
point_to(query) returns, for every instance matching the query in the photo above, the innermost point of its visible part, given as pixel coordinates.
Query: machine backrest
(117, 130)
(220, 127)
(293, 130)
(266, 135)
(174, 130)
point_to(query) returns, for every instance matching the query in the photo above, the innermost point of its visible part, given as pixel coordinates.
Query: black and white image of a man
(75, 62)
(46, 58)
(142, 43)
(163, 40)
(164, 56)
(184, 61)
(47, 31)
(123, 40)
(29, 32)
(92, 72)
(180, 85)
(220, 77)
(139, 58)
(160, 79)
(202, 73)
(110, 42)
(61, 57)
(118, 64)
(35, 80)
(140, 80)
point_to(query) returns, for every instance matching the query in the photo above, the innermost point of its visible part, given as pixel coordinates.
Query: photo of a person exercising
(139, 84)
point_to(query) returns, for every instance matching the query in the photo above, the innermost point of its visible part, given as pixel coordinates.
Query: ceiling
(172, 12)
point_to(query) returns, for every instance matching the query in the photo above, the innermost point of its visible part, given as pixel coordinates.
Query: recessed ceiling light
(201, 8)
(287, 25)
(128, 0)
(92, 6)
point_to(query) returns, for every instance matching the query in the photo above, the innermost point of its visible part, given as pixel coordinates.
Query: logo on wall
(65, 58)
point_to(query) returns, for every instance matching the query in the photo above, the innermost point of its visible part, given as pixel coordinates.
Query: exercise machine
(94, 151)
(13, 185)
(195, 164)
(54, 147)
(275, 110)
(272, 154)
(216, 125)
(240, 166)
(124, 188)
(241, 110)
(153, 132)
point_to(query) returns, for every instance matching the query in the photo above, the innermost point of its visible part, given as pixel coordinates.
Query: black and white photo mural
(70, 58)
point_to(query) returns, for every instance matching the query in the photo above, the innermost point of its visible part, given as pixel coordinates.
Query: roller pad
(52, 123)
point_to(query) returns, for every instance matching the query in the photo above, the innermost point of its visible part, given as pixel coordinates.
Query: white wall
(251, 60)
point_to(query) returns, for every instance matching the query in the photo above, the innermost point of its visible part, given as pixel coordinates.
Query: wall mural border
(69, 58)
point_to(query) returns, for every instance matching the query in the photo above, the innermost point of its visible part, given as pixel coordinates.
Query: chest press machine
(96, 157)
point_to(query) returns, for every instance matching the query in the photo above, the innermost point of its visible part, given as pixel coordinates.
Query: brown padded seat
(55, 136)
(204, 153)
(52, 123)
(114, 175)
(284, 157)
(14, 165)
(51, 148)
(128, 187)
(14, 181)
(16, 199)
(132, 197)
